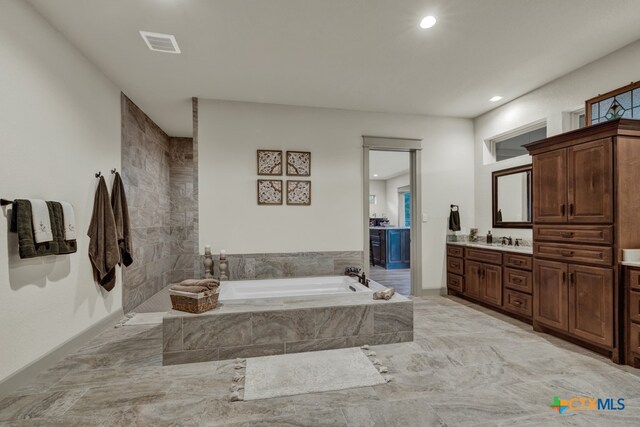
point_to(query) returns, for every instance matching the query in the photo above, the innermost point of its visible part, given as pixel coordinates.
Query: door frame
(414, 148)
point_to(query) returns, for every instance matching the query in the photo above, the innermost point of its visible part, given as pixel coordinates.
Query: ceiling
(387, 164)
(365, 55)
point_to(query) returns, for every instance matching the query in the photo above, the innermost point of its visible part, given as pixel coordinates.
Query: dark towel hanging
(454, 218)
(123, 224)
(103, 245)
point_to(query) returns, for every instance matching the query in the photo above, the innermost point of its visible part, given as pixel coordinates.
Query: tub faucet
(357, 272)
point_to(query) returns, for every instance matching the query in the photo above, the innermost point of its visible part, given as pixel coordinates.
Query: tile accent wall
(294, 264)
(198, 267)
(184, 208)
(146, 176)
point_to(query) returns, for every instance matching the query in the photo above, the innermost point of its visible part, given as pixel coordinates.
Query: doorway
(392, 202)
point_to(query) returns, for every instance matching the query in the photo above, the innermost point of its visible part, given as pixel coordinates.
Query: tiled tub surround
(269, 328)
(292, 264)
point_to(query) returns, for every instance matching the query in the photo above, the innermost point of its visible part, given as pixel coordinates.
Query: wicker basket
(198, 303)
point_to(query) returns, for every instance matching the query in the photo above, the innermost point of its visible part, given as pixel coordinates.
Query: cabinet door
(550, 302)
(550, 187)
(472, 278)
(590, 186)
(406, 246)
(376, 247)
(491, 284)
(591, 304)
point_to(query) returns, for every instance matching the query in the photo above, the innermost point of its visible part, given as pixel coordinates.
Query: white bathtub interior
(293, 289)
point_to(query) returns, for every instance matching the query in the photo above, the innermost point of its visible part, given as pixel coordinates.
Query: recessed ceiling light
(159, 42)
(496, 98)
(428, 22)
(375, 175)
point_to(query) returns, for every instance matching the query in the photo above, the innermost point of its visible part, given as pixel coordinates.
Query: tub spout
(357, 272)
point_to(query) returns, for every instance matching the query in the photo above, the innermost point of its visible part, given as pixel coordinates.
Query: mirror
(512, 198)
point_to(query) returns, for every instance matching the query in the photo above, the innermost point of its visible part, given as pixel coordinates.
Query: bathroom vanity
(586, 210)
(494, 275)
(631, 313)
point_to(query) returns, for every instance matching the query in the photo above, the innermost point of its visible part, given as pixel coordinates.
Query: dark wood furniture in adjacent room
(390, 247)
(586, 209)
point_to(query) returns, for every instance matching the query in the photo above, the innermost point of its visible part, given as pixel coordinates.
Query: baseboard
(20, 377)
(432, 292)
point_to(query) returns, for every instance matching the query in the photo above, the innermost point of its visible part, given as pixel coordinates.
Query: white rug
(145, 319)
(316, 371)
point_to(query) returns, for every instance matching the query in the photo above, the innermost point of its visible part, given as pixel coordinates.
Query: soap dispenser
(489, 238)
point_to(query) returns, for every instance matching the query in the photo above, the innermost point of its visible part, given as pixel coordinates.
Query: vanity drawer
(634, 306)
(457, 251)
(634, 278)
(634, 338)
(518, 280)
(455, 265)
(491, 257)
(574, 253)
(517, 302)
(455, 282)
(602, 235)
(518, 261)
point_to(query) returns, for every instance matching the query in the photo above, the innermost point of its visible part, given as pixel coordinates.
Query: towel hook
(5, 202)
(98, 174)
(113, 171)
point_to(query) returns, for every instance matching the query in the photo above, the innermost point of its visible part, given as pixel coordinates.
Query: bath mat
(145, 319)
(313, 372)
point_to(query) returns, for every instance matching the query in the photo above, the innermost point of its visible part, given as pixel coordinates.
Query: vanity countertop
(631, 263)
(496, 247)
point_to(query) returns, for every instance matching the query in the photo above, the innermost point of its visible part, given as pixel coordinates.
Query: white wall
(392, 197)
(551, 102)
(378, 187)
(230, 133)
(59, 124)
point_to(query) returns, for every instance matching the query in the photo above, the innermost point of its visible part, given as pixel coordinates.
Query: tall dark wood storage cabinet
(586, 209)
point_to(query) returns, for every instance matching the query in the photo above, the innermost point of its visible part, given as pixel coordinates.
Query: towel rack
(5, 202)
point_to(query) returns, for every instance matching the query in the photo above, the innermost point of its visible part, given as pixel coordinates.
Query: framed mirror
(512, 201)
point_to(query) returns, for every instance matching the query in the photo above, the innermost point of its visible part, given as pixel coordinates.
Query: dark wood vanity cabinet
(586, 209)
(492, 277)
(631, 315)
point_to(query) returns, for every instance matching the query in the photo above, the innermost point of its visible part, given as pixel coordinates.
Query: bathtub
(241, 291)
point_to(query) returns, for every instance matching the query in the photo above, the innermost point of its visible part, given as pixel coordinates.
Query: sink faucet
(510, 241)
(518, 242)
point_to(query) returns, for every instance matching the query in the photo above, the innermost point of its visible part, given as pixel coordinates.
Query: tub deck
(280, 325)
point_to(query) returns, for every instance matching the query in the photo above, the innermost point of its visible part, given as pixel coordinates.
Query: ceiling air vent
(160, 42)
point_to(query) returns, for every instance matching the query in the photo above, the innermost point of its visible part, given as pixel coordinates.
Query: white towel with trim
(69, 219)
(41, 221)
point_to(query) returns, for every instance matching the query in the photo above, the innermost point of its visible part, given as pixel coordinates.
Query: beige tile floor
(467, 366)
